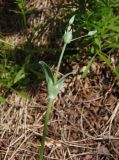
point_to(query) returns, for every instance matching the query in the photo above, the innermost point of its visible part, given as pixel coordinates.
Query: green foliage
(109, 64)
(101, 16)
(2, 99)
(17, 69)
(84, 74)
(54, 84)
(10, 73)
(22, 11)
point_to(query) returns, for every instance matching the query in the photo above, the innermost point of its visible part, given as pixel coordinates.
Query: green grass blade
(47, 71)
(61, 80)
(2, 99)
(107, 61)
(20, 75)
(87, 68)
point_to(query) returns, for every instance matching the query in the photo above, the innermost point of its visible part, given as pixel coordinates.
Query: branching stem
(59, 62)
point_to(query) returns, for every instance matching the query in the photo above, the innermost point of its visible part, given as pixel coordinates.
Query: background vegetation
(87, 103)
(18, 64)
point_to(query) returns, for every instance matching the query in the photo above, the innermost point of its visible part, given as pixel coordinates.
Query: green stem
(50, 102)
(79, 38)
(59, 62)
(23, 14)
(24, 19)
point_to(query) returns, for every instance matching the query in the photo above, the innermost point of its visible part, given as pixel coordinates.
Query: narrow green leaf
(47, 71)
(87, 68)
(98, 42)
(54, 88)
(61, 80)
(19, 76)
(114, 28)
(2, 99)
(105, 59)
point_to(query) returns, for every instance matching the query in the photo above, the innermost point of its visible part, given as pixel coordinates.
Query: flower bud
(91, 33)
(71, 21)
(67, 36)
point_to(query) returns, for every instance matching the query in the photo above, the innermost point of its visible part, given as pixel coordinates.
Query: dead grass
(83, 124)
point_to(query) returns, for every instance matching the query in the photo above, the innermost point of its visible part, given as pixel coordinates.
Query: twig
(112, 117)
